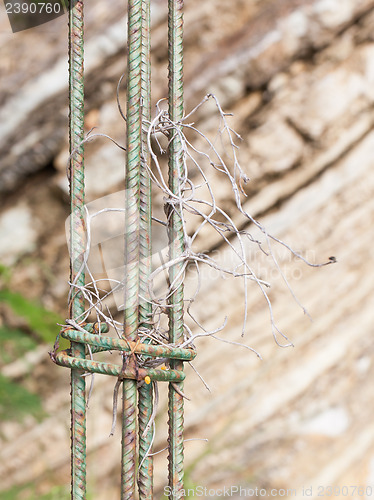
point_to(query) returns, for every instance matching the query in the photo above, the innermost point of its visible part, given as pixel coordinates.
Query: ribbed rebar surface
(138, 249)
(134, 120)
(63, 358)
(145, 242)
(109, 343)
(77, 243)
(176, 242)
(145, 404)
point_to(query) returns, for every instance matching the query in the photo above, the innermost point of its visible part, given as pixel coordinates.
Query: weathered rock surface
(298, 78)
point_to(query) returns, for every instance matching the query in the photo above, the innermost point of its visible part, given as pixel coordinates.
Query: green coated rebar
(145, 240)
(145, 404)
(134, 140)
(77, 243)
(176, 242)
(114, 344)
(138, 250)
(64, 358)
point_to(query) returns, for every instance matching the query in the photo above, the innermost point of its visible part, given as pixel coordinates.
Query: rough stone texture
(298, 77)
(275, 146)
(18, 234)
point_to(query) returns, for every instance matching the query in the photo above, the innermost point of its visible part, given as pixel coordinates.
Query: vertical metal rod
(134, 139)
(77, 243)
(176, 242)
(145, 405)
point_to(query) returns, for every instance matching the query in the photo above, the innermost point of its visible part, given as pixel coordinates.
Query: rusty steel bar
(131, 303)
(109, 343)
(176, 242)
(145, 404)
(77, 243)
(138, 250)
(96, 327)
(63, 358)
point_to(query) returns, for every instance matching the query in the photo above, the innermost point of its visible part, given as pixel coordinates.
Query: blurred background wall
(298, 76)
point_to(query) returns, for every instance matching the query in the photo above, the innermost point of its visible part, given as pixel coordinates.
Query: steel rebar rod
(176, 242)
(110, 343)
(63, 358)
(77, 243)
(131, 303)
(145, 404)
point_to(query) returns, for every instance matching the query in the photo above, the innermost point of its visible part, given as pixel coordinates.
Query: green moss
(29, 492)
(11, 494)
(5, 273)
(40, 321)
(16, 401)
(13, 344)
(56, 493)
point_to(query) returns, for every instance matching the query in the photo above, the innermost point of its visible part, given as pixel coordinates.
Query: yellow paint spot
(147, 379)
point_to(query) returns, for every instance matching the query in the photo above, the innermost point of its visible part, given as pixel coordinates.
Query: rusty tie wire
(176, 242)
(145, 405)
(77, 246)
(131, 303)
